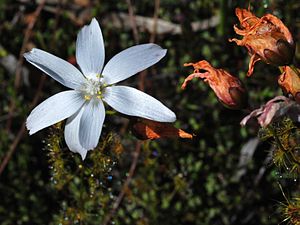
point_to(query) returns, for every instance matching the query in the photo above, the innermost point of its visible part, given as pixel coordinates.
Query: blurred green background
(224, 175)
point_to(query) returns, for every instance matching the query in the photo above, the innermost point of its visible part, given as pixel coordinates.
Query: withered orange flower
(289, 81)
(266, 39)
(229, 89)
(145, 129)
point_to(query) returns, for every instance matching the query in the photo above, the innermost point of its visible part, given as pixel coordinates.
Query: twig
(133, 22)
(126, 184)
(34, 102)
(137, 151)
(20, 134)
(21, 60)
(121, 20)
(155, 19)
(143, 74)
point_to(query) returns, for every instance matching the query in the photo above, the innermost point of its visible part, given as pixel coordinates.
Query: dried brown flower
(229, 89)
(145, 129)
(266, 39)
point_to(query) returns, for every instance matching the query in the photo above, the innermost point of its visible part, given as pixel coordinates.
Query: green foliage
(176, 181)
(85, 186)
(291, 211)
(285, 136)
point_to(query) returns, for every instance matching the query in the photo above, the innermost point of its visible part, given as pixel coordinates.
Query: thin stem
(286, 151)
(295, 160)
(137, 151)
(223, 20)
(80, 205)
(126, 184)
(133, 22)
(155, 18)
(143, 74)
(277, 140)
(20, 134)
(21, 60)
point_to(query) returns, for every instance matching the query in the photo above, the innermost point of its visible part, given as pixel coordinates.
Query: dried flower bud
(289, 81)
(229, 89)
(147, 129)
(266, 39)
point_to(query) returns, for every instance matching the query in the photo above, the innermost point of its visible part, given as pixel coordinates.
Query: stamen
(92, 88)
(87, 97)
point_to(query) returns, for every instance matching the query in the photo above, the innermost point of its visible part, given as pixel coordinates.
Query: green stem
(222, 13)
(80, 203)
(295, 160)
(277, 140)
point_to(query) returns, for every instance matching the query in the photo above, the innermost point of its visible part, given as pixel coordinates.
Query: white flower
(83, 106)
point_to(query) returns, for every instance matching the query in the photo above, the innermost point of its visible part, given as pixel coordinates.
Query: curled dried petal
(229, 89)
(147, 129)
(266, 39)
(274, 109)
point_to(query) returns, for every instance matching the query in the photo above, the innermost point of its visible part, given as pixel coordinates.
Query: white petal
(57, 68)
(72, 134)
(54, 109)
(131, 61)
(90, 49)
(91, 124)
(133, 102)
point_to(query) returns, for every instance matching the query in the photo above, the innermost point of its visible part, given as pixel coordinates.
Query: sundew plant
(138, 112)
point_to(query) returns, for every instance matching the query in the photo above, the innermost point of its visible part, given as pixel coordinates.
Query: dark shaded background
(207, 180)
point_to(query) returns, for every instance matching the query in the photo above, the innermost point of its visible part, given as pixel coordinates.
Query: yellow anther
(87, 97)
(98, 75)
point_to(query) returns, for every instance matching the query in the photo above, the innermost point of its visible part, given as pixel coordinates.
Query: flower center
(92, 88)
